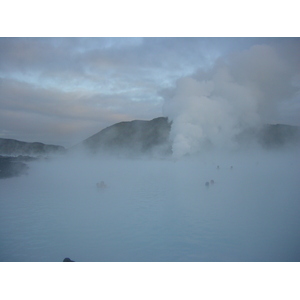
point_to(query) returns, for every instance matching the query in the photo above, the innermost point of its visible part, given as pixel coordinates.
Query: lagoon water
(154, 210)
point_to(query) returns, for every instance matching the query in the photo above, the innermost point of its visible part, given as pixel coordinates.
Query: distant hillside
(152, 137)
(279, 135)
(271, 136)
(12, 147)
(135, 138)
(132, 138)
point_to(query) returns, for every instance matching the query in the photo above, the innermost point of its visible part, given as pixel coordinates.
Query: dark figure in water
(67, 259)
(231, 167)
(101, 185)
(212, 182)
(207, 184)
(218, 167)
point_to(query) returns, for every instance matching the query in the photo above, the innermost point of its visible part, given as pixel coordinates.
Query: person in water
(67, 259)
(101, 185)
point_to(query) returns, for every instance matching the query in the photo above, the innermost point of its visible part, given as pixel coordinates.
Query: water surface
(154, 210)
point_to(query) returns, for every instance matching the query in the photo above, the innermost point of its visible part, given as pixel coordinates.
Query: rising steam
(209, 109)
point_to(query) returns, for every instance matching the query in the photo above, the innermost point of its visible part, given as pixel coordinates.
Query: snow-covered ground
(154, 210)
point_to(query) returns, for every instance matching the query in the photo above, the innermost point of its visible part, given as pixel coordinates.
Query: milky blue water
(154, 210)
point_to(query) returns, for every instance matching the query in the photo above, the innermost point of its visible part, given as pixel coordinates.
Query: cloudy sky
(63, 90)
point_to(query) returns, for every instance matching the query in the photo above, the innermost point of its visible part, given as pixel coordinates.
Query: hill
(271, 136)
(15, 154)
(12, 147)
(138, 137)
(132, 138)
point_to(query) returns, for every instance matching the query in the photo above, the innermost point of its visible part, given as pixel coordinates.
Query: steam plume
(242, 91)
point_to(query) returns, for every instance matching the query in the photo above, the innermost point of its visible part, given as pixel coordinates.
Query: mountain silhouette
(132, 138)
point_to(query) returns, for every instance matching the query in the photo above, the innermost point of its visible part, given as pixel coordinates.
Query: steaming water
(154, 210)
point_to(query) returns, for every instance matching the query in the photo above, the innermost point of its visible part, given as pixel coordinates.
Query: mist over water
(154, 209)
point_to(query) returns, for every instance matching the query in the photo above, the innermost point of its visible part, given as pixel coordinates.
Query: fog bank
(154, 210)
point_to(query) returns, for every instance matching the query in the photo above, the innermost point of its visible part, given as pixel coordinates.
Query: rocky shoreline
(14, 166)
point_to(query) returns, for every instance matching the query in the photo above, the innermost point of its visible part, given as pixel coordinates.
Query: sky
(63, 90)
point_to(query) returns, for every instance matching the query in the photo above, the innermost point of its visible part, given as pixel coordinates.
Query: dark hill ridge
(14, 155)
(279, 135)
(271, 136)
(146, 137)
(152, 137)
(13, 147)
(132, 138)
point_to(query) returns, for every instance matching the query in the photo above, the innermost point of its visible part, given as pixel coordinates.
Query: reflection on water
(153, 211)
